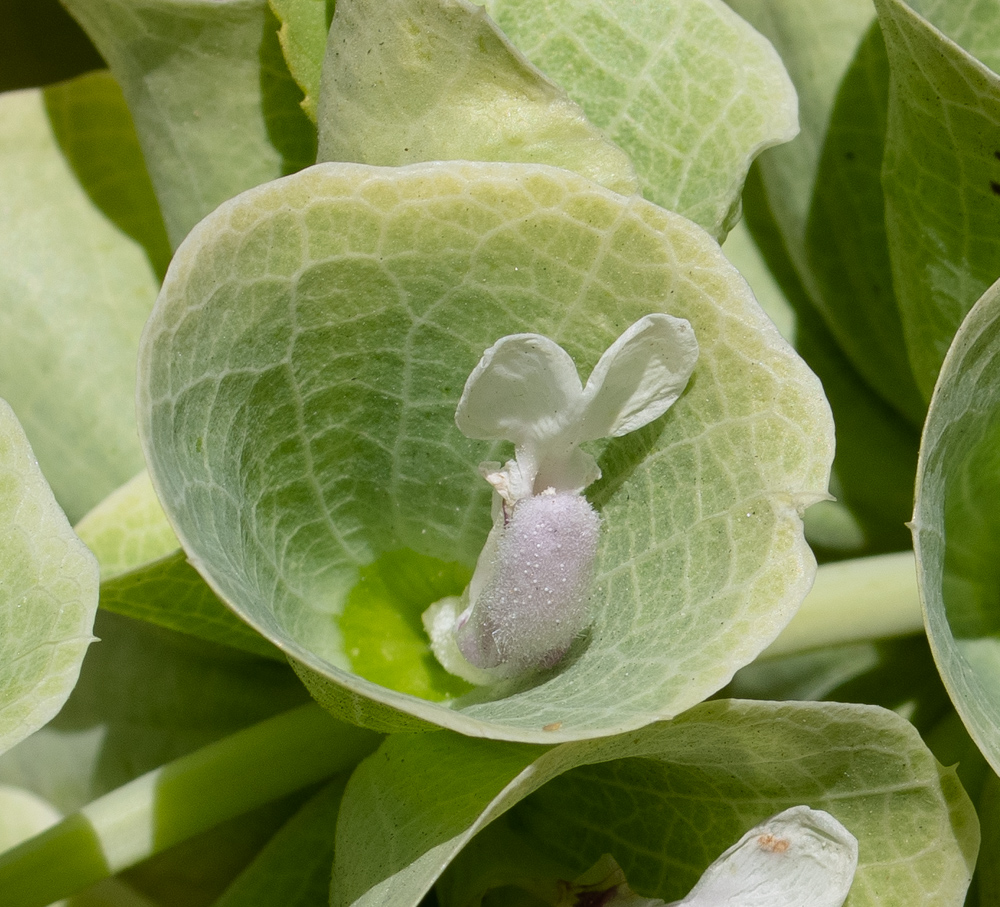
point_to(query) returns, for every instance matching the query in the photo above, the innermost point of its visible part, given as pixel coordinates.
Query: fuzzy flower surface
(528, 597)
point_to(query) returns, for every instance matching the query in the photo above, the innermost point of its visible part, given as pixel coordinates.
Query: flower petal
(525, 388)
(800, 856)
(639, 377)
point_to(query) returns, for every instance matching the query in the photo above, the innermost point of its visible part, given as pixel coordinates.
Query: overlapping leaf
(664, 801)
(688, 90)
(955, 527)
(202, 145)
(76, 285)
(48, 593)
(429, 80)
(942, 182)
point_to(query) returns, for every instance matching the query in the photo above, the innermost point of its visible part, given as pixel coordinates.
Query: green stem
(180, 800)
(851, 601)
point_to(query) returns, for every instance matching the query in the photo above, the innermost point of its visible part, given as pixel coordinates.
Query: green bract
(735, 762)
(297, 395)
(422, 80)
(48, 592)
(75, 284)
(955, 530)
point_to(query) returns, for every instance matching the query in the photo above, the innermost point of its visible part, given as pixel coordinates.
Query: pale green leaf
(202, 144)
(293, 870)
(941, 174)
(145, 576)
(874, 467)
(145, 696)
(303, 34)
(298, 393)
(689, 92)
(169, 592)
(823, 189)
(48, 592)
(128, 528)
(955, 530)
(23, 815)
(75, 290)
(665, 801)
(94, 129)
(972, 24)
(423, 80)
(687, 89)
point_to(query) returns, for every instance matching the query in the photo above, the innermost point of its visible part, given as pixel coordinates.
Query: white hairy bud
(534, 603)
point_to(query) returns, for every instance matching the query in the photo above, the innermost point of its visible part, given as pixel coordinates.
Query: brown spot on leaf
(553, 727)
(773, 844)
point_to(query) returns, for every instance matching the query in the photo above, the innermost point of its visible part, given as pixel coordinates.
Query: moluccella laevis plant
(453, 417)
(336, 316)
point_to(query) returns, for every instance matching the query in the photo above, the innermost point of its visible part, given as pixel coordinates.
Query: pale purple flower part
(528, 598)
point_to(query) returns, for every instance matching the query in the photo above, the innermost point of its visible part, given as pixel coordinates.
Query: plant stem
(176, 801)
(851, 601)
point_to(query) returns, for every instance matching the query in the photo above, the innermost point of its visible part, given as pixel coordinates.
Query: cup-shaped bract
(298, 385)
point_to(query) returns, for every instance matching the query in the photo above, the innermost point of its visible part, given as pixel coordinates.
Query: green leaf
(303, 34)
(145, 696)
(955, 531)
(293, 870)
(942, 182)
(40, 43)
(972, 24)
(170, 593)
(75, 289)
(876, 456)
(687, 89)
(298, 412)
(128, 529)
(422, 80)
(202, 145)
(145, 576)
(665, 801)
(48, 592)
(876, 461)
(199, 870)
(94, 129)
(23, 815)
(823, 189)
(988, 869)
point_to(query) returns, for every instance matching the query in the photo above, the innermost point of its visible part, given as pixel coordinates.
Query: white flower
(801, 857)
(528, 597)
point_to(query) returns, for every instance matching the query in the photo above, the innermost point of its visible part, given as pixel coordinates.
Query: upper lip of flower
(526, 389)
